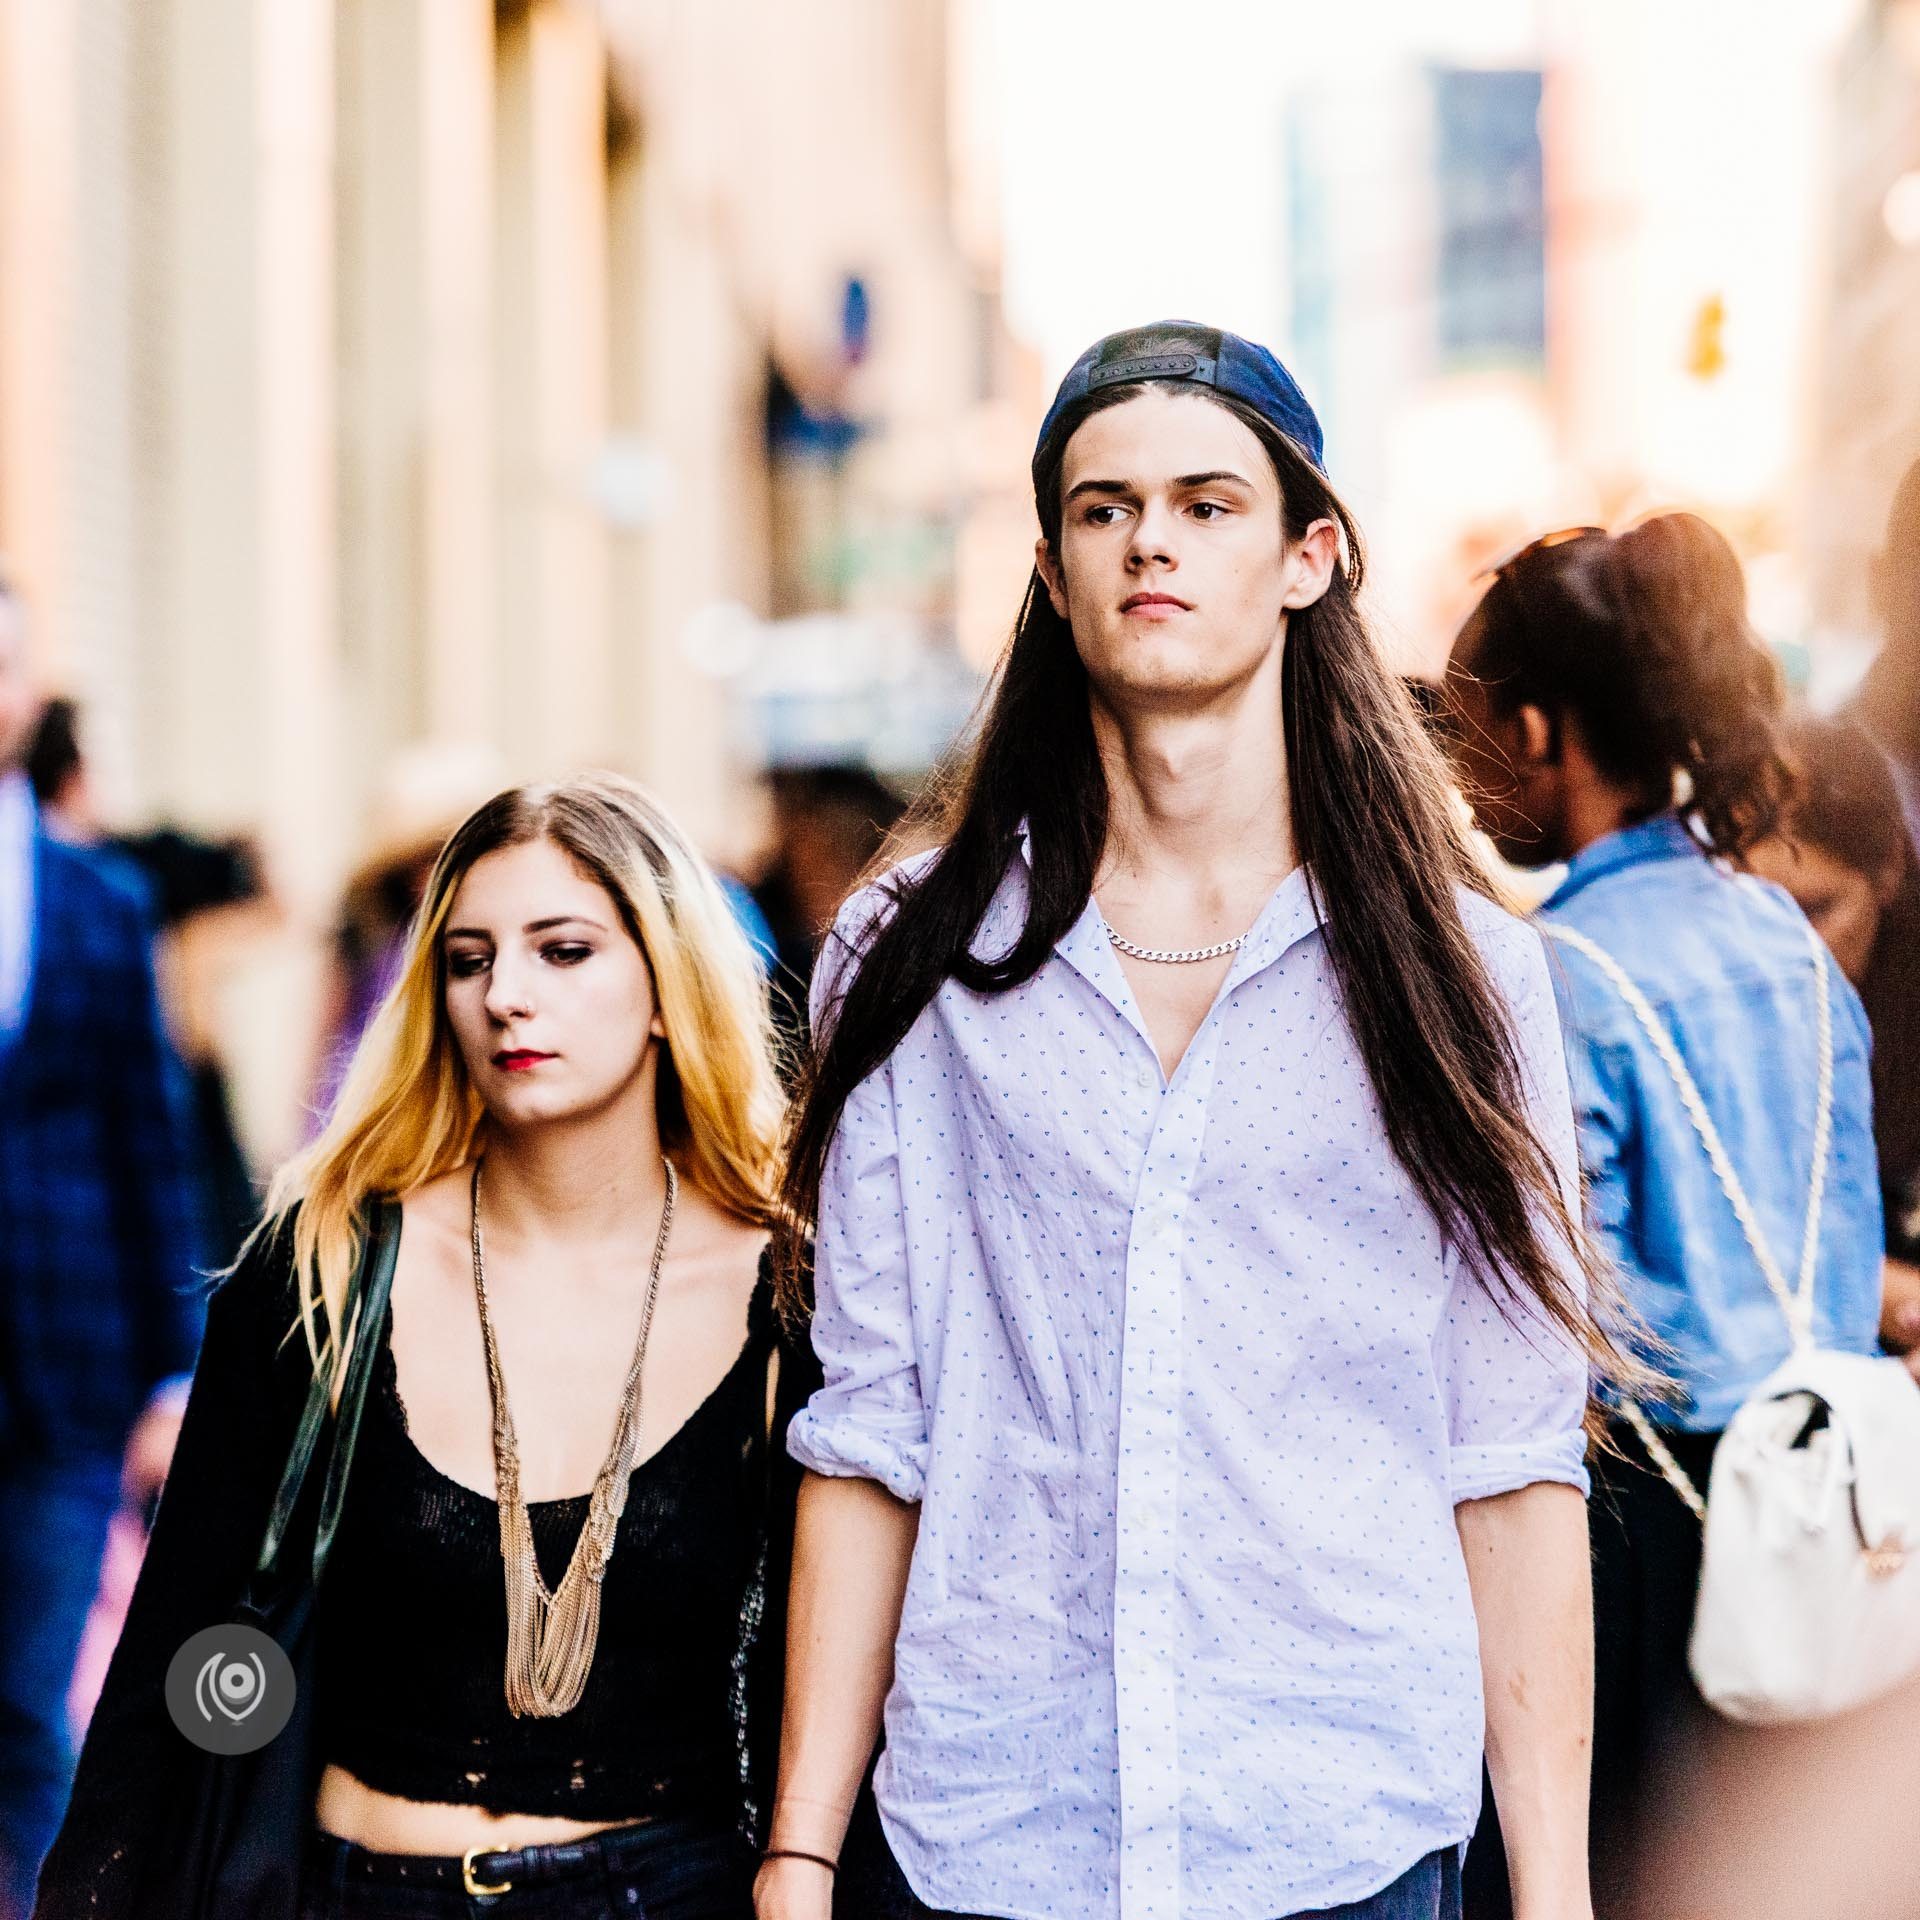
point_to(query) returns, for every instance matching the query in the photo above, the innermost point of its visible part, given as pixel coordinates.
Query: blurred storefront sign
(884, 690)
(631, 482)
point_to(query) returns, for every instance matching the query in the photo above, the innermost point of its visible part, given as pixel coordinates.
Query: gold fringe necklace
(551, 1636)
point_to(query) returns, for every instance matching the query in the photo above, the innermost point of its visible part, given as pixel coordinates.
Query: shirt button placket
(1146, 1595)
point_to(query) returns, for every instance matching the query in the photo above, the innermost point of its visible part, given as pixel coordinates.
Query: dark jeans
(872, 1887)
(53, 1530)
(1646, 1576)
(663, 1870)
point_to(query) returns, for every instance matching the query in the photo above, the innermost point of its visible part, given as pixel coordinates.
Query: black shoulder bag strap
(240, 1839)
(366, 1307)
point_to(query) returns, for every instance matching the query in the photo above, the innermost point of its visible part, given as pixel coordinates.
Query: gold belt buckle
(471, 1881)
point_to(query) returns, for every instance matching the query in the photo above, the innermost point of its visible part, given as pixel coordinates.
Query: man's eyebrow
(1186, 483)
(1214, 478)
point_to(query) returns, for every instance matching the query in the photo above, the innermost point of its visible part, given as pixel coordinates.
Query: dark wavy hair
(1375, 827)
(1643, 637)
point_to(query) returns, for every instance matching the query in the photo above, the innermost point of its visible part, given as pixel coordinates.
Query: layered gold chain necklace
(551, 1636)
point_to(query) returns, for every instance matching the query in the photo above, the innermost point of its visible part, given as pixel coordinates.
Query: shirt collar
(18, 814)
(1291, 913)
(1665, 837)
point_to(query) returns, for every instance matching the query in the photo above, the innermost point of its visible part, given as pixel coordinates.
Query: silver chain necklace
(1178, 956)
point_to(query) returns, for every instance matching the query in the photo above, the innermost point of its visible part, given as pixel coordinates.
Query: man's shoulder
(857, 925)
(868, 908)
(1509, 943)
(105, 887)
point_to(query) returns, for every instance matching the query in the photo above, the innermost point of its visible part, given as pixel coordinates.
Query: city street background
(402, 396)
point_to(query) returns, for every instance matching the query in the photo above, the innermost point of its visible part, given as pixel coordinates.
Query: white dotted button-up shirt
(1187, 1383)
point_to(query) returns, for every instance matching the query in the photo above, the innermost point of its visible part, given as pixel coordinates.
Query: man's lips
(1140, 602)
(519, 1059)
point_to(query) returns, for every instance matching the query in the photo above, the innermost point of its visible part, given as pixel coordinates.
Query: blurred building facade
(380, 371)
(1560, 263)
(1869, 419)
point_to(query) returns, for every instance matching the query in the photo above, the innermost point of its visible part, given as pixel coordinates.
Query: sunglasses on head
(1560, 537)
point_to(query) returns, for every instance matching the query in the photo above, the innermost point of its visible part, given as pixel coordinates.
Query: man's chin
(1158, 670)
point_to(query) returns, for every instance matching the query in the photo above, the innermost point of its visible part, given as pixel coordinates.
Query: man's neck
(1202, 793)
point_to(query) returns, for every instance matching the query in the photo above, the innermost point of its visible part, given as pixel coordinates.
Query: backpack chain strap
(1796, 1304)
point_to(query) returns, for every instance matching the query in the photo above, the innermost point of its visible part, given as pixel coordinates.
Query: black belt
(485, 1870)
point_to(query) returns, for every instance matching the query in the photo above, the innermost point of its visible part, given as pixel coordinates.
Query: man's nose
(1152, 542)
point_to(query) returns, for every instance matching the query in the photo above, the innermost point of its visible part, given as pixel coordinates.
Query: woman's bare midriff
(384, 1823)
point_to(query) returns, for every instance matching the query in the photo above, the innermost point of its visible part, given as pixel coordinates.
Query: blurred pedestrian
(1198, 1475)
(829, 824)
(1888, 704)
(1844, 855)
(62, 787)
(98, 1246)
(427, 789)
(527, 1694)
(143, 1473)
(212, 906)
(1614, 710)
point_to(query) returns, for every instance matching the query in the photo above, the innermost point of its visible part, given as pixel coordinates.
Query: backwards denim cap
(1177, 350)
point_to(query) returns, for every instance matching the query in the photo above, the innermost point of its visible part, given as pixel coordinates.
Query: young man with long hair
(1201, 1303)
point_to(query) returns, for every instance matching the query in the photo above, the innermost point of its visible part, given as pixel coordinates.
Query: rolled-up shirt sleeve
(1514, 1383)
(867, 1421)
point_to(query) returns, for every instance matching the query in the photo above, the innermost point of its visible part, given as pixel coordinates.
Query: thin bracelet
(794, 1853)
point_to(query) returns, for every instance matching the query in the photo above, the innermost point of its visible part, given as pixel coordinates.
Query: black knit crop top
(681, 1708)
(413, 1622)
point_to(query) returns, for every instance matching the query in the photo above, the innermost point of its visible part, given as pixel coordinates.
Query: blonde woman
(571, 1092)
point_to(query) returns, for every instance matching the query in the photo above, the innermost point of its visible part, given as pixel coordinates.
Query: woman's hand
(788, 1889)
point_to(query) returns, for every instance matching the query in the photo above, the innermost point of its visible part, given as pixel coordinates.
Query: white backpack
(1810, 1570)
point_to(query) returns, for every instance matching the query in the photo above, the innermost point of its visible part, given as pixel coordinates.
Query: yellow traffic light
(1706, 346)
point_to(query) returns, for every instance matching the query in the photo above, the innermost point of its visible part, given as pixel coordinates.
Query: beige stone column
(551, 387)
(240, 728)
(686, 385)
(39, 159)
(416, 91)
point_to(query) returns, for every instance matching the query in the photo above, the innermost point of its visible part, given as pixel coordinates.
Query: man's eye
(566, 953)
(1094, 515)
(463, 966)
(1209, 509)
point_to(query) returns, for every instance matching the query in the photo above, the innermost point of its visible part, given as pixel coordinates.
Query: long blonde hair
(407, 1111)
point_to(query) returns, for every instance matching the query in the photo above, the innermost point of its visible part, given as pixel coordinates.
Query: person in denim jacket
(1613, 709)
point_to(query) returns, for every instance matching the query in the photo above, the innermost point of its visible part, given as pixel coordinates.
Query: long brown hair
(1374, 824)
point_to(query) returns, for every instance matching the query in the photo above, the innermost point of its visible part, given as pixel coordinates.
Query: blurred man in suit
(98, 1242)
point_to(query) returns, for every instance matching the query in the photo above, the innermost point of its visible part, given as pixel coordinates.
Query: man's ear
(1311, 564)
(1048, 565)
(1538, 736)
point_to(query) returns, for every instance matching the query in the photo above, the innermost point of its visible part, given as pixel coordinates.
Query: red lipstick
(519, 1059)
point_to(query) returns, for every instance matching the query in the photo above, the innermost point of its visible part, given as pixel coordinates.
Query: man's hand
(793, 1890)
